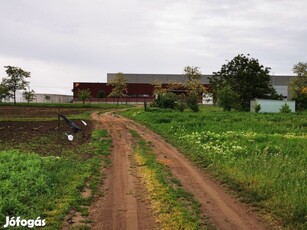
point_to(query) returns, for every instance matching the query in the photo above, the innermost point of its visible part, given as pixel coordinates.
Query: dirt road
(122, 206)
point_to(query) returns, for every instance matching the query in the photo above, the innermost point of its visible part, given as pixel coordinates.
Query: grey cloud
(152, 36)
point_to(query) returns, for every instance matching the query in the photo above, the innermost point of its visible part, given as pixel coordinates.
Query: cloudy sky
(66, 41)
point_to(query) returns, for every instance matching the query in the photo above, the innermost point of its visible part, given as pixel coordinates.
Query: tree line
(239, 81)
(232, 87)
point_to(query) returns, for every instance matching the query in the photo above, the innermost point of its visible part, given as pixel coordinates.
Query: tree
(119, 84)
(158, 88)
(300, 69)
(192, 73)
(194, 86)
(84, 94)
(298, 85)
(29, 95)
(246, 78)
(15, 80)
(47, 97)
(4, 92)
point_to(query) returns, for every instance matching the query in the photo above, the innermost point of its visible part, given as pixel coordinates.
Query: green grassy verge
(262, 156)
(173, 207)
(33, 185)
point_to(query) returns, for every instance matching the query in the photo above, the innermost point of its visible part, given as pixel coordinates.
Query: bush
(301, 101)
(166, 100)
(192, 102)
(257, 108)
(227, 98)
(181, 105)
(285, 109)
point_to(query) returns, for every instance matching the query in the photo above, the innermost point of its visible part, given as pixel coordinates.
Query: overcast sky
(66, 41)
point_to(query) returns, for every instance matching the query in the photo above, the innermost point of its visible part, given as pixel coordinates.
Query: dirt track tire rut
(223, 210)
(122, 207)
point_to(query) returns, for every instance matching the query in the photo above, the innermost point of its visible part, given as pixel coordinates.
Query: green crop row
(262, 156)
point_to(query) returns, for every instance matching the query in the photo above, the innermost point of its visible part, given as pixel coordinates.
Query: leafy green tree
(4, 92)
(194, 86)
(47, 97)
(119, 84)
(83, 95)
(158, 88)
(300, 69)
(246, 78)
(15, 80)
(192, 73)
(29, 95)
(298, 85)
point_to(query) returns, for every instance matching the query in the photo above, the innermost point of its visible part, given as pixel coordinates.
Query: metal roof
(276, 80)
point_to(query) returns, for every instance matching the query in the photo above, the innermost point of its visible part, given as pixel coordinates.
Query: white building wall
(40, 98)
(271, 106)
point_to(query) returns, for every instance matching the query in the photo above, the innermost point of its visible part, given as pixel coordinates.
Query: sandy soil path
(121, 209)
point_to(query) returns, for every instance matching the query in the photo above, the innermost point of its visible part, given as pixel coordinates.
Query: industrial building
(41, 98)
(140, 89)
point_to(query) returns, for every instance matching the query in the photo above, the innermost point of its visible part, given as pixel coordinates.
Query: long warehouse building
(140, 89)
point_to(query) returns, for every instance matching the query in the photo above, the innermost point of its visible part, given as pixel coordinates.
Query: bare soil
(123, 208)
(43, 137)
(30, 111)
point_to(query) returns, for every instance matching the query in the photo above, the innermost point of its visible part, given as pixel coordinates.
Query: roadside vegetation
(43, 175)
(172, 206)
(261, 156)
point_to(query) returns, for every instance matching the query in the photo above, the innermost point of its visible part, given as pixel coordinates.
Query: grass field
(42, 174)
(261, 156)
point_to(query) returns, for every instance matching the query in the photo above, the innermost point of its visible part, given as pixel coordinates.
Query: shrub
(285, 109)
(301, 101)
(192, 102)
(257, 108)
(227, 98)
(166, 100)
(181, 104)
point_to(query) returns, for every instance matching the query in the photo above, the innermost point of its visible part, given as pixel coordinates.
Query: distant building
(270, 106)
(140, 89)
(40, 98)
